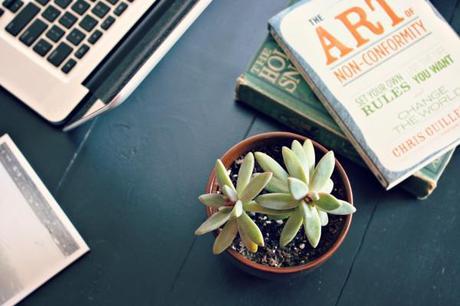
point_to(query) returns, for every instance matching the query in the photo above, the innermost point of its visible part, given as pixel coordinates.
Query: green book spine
(273, 86)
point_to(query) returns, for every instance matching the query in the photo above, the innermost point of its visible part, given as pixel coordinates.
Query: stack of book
(274, 86)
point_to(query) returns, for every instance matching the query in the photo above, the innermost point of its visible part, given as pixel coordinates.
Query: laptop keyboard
(62, 31)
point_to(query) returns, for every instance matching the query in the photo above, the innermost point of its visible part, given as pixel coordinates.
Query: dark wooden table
(129, 182)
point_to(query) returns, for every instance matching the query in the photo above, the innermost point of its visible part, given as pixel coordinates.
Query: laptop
(72, 60)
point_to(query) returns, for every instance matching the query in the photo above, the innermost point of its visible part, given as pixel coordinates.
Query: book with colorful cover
(385, 71)
(273, 86)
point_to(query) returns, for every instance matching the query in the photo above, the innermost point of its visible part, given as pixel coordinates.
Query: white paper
(36, 238)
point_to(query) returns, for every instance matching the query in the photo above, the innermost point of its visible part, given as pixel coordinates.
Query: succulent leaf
(268, 164)
(214, 222)
(310, 152)
(245, 173)
(298, 150)
(298, 189)
(291, 228)
(230, 193)
(327, 202)
(250, 245)
(237, 210)
(314, 196)
(344, 209)
(277, 185)
(212, 200)
(254, 207)
(222, 175)
(277, 201)
(225, 237)
(250, 228)
(255, 186)
(324, 217)
(328, 187)
(293, 165)
(323, 171)
(311, 223)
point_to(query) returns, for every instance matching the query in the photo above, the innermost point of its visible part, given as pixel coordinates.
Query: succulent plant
(303, 192)
(232, 204)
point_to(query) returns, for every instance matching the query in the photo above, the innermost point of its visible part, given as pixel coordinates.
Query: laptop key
(80, 7)
(100, 10)
(76, 36)
(60, 54)
(113, 2)
(31, 34)
(43, 2)
(63, 3)
(55, 33)
(13, 5)
(42, 47)
(68, 66)
(120, 9)
(22, 19)
(95, 37)
(81, 51)
(7, 3)
(68, 20)
(107, 23)
(51, 13)
(2, 11)
(88, 23)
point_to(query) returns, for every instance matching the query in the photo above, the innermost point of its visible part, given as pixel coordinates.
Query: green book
(273, 86)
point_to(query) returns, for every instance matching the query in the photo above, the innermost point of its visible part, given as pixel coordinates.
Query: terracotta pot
(244, 263)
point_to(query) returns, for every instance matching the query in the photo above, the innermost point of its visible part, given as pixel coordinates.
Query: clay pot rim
(244, 146)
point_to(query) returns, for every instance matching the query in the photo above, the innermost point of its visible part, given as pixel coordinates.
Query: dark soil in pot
(299, 251)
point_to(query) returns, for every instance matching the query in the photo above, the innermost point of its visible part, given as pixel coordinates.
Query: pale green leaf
(237, 210)
(268, 164)
(293, 165)
(250, 245)
(254, 207)
(213, 200)
(302, 156)
(248, 227)
(309, 149)
(297, 188)
(314, 196)
(255, 186)
(344, 209)
(277, 185)
(323, 171)
(327, 202)
(245, 173)
(291, 228)
(214, 222)
(277, 201)
(222, 175)
(324, 217)
(230, 193)
(225, 237)
(311, 223)
(328, 187)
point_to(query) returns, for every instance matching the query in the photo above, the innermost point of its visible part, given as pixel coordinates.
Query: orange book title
(347, 18)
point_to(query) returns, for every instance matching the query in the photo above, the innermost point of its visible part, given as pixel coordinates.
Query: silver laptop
(48, 48)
